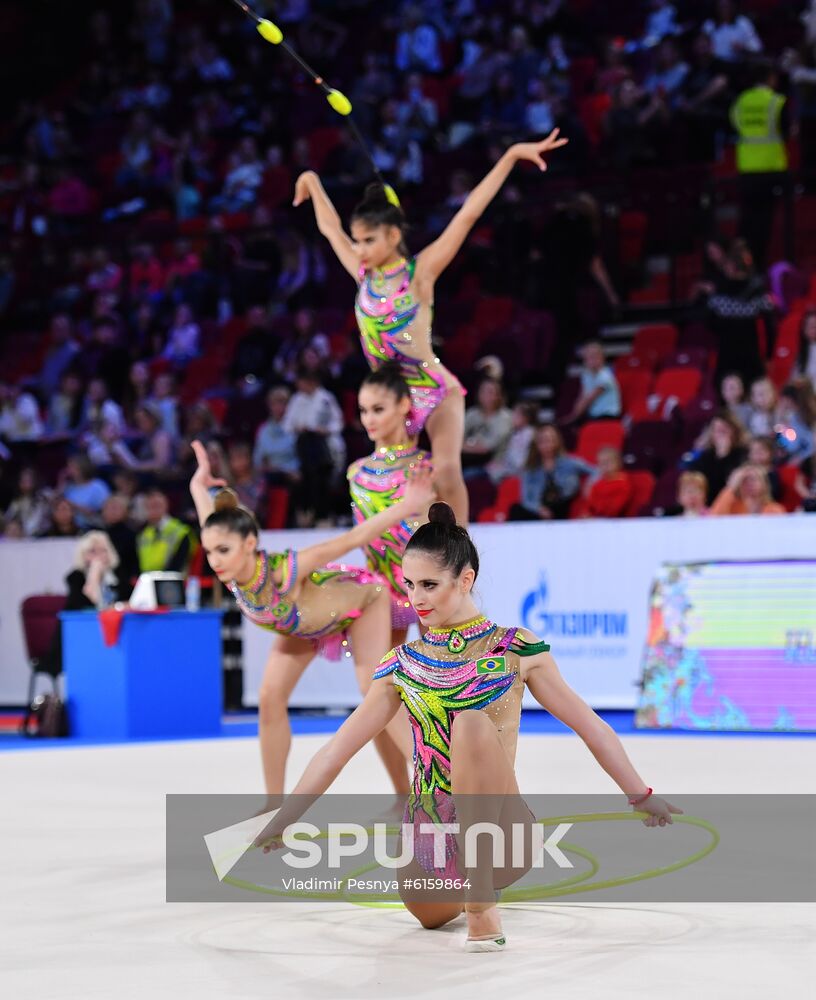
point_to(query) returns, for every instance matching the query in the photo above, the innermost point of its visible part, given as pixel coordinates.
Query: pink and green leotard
(473, 667)
(330, 600)
(386, 311)
(376, 483)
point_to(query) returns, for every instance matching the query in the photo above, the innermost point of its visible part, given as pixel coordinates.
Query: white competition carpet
(83, 912)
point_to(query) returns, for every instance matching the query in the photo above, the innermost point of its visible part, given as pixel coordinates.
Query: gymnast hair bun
(226, 499)
(375, 194)
(442, 513)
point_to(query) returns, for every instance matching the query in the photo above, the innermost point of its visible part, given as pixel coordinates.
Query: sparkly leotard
(330, 599)
(376, 483)
(472, 667)
(386, 334)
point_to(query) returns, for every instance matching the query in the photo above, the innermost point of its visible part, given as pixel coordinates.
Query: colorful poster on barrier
(731, 646)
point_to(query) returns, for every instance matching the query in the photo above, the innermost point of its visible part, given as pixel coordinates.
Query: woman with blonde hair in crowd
(748, 491)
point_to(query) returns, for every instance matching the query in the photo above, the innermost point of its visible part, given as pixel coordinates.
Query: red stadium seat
(509, 492)
(653, 343)
(599, 434)
(788, 474)
(277, 508)
(635, 384)
(682, 384)
(643, 485)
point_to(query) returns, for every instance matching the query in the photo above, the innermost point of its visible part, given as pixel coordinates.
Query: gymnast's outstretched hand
(203, 474)
(534, 151)
(660, 811)
(303, 191)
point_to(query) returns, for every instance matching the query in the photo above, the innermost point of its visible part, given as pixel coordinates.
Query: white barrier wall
(584, 585)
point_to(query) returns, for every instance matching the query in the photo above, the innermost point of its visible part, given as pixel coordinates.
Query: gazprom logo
(590, 624)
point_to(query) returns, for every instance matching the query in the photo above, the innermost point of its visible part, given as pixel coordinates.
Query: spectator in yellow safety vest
(762, 159)
(165, 543)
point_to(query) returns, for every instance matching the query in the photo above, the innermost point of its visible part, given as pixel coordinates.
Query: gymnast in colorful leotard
(462, 684)
(395, 295)
(310, 602)
(380, 480)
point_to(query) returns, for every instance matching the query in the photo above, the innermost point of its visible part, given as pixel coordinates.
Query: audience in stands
(611, 494)
(488, 427)
(722, 451)
(550, 480)
(175, 288)
(746, 492)
(512, 458)
(600, 394)
(692, 489)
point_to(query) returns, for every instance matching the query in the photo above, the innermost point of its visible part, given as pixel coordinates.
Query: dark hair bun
(442, 513)
(374, 195)
(226, 499)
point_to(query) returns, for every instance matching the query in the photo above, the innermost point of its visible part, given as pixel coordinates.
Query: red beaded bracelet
(640, 798)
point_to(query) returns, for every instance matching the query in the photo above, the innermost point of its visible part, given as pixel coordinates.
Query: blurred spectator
(156, 453)
(762, 158)
(632, 124)
(303, 270)
(199, 425)
(257, 266)
(104, 356)
(19, 414)
(702, 99)
(600, 393)
(740, 298)
(137, 390)
(692, 489)
(538, 115)
(243, 179)
(146, 274)
(123, 539)
(314, 417)
(732, 392)
(761, 408)
(611, 493)
(304, 334)
(510, 461)
(762, 452)
(723, 451)
(105, 275)
(732, 34)
(662, 21)
(795, 419)
(83, 490)
(99, 408)
(61, 352)
(163, 399)
(275, 451)
(137, 152)
(488, 425)
(248, 483)
(126, 485)
(62, 523)
(550, 480)
(417, 45)
(165, 543)
(183, 337)
(255, 351)
(669, 74)
(107, 450)
(31, 505)
(747, 492)
(65, 407)
(806, 358)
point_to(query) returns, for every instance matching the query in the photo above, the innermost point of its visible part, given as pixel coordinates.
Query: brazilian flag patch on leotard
(491, 665)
